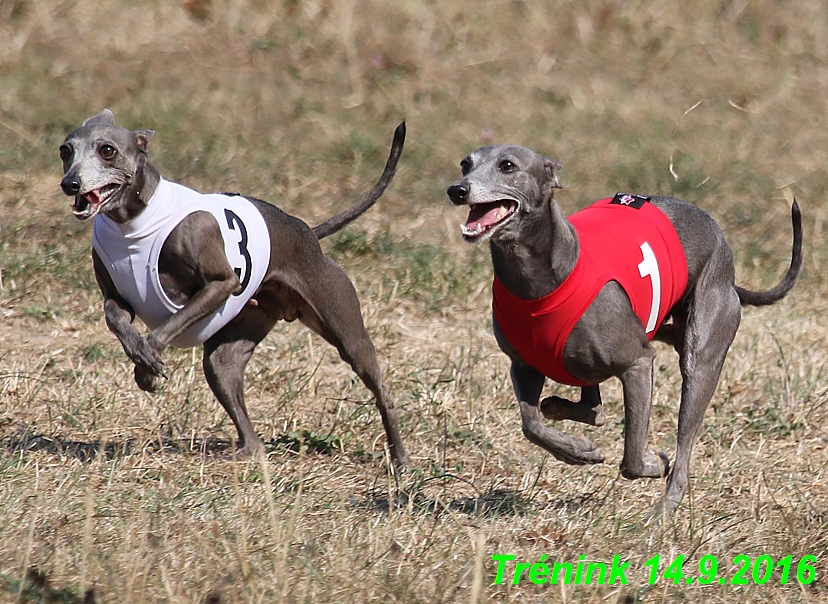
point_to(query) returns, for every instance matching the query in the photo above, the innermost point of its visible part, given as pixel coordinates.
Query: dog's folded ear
(552, 168)
(142, 138)
(104, 118)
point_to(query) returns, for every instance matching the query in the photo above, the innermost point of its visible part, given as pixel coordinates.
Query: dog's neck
(540, 258)
(138, 193)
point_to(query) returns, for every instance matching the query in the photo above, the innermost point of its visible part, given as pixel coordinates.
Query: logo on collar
(632, 201)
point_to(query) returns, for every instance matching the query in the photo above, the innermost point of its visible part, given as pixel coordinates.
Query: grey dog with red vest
(535, 249)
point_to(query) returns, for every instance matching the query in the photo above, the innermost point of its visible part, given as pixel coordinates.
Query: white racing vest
(130, 253)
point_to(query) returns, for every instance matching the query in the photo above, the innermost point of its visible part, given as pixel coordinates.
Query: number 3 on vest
(649, 268)
(242, 273)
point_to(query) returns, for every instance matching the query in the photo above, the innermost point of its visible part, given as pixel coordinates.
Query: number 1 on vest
(649, 268)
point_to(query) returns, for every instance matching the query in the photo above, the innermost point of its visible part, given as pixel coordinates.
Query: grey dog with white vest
(217, 269)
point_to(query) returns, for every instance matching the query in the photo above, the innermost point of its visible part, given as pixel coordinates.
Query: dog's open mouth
(483, 217)
(90, 203)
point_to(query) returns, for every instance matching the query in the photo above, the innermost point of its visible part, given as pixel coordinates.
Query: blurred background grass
(720, 102)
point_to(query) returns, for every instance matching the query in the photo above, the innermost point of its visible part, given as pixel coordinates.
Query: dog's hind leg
(712, 320)
(528, 383)
(225, 357)
(589, 410)
(335, 315)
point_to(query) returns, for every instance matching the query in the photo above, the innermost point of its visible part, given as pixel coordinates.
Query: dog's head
(503, 186)
(100, 161)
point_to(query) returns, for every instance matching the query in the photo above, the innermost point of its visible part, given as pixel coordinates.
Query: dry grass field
(137, 497)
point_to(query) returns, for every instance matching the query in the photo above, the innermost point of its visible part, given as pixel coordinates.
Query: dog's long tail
(335, 223)
(774, 294)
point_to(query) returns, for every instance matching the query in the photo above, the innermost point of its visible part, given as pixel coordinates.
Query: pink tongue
(485, 214)
(93, 197)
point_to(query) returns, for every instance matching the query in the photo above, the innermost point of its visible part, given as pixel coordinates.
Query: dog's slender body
(107, 171)
(510, 191)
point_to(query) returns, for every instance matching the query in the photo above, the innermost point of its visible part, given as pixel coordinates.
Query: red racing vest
(624, 239)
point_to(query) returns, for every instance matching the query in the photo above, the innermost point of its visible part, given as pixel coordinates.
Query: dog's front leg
(148, 363)
(119, 316)
(194, 271)
(205, 301)
(638, 397)
(200, 305)
(528, 383)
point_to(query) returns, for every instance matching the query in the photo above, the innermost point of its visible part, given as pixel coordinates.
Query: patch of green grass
(38, 312)
(431, 273)
(93, 353)
(308, 441)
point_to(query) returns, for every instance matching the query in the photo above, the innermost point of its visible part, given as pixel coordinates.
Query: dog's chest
(131, 251)
(630, 242)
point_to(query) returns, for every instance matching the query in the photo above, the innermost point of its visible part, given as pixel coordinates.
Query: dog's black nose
(71, 185)
(458, 193)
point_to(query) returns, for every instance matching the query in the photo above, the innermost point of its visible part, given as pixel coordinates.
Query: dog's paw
(401, 462)
(598, 418)
(580, 452)
(250, 449)
(558, 409)
(145, 355)
(145, 381)
(652, 465)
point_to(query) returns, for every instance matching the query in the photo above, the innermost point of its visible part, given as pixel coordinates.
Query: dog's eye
(465, 166)
(65, 153)
(107, 151)
(506, 166)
